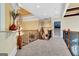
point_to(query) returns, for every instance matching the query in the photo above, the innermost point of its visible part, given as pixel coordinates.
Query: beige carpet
(52, 47)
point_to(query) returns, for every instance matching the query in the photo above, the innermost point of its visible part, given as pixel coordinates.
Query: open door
(57, 28)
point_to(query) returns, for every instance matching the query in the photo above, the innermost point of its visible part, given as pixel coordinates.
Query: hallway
(53, 47)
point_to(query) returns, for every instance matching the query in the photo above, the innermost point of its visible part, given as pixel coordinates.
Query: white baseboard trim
(13, 53)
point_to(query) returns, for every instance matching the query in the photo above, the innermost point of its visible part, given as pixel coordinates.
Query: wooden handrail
(76, 14)
(72, 9)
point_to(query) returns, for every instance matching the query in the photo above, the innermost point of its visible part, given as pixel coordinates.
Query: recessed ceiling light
(56, 12)
(38, 6)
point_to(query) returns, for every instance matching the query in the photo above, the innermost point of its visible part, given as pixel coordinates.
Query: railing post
(69, 38)
(28, 37)
(64, 36)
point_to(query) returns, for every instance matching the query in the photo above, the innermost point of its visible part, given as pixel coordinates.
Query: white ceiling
(44, 10)
(73, 5)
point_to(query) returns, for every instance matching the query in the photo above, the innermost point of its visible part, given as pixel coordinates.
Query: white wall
(71, 22)
(8, 42)
(2, 17)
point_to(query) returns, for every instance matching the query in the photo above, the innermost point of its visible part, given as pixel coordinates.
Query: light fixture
(56, 12)
(37, 6)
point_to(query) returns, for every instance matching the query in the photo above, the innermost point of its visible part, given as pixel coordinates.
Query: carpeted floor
(53, 47)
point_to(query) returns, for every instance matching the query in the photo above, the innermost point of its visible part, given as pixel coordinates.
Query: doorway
(57, 28)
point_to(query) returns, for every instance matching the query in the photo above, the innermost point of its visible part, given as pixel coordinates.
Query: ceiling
(73, 5)
(44, 10)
